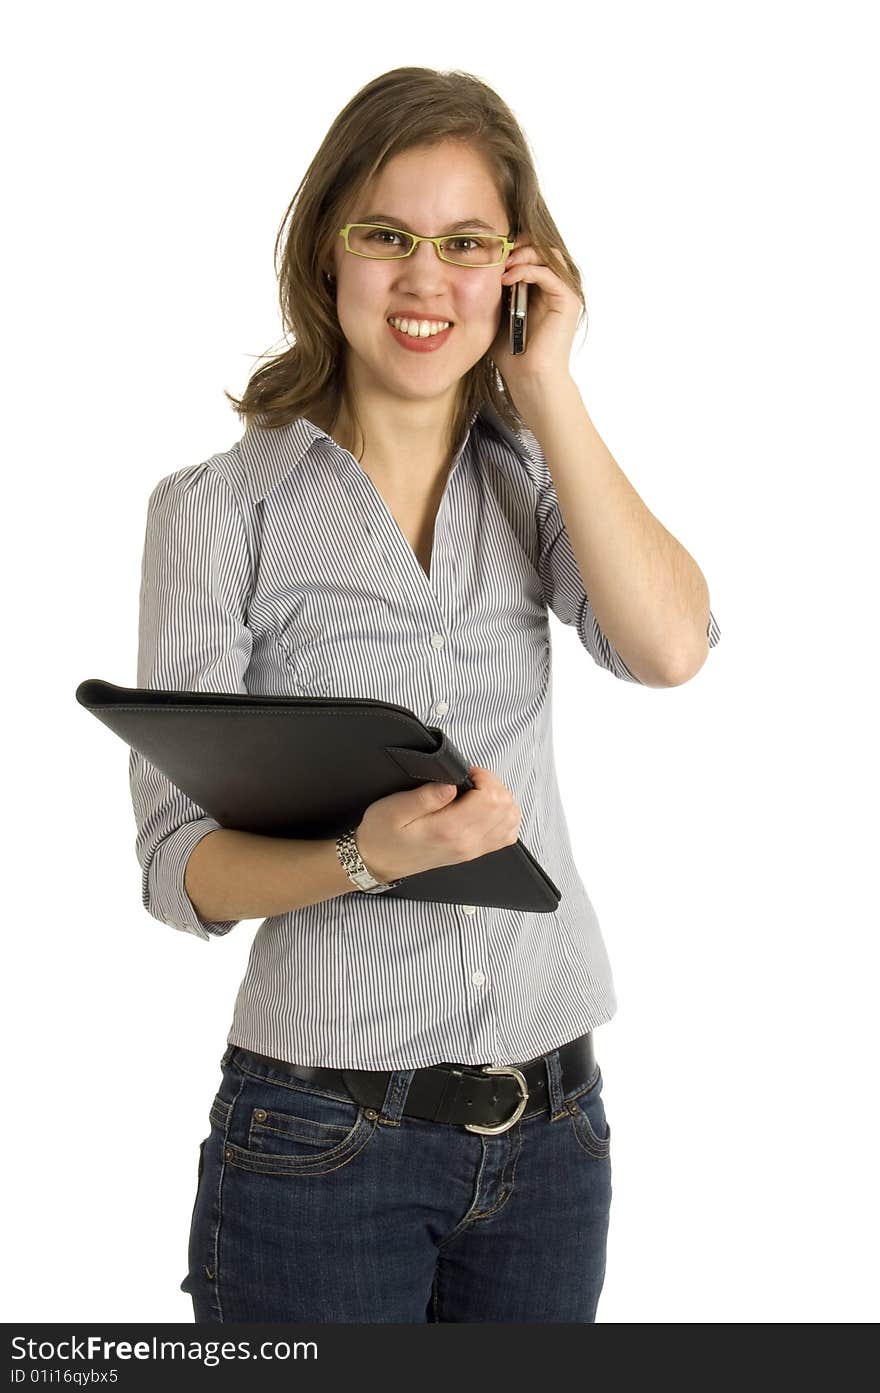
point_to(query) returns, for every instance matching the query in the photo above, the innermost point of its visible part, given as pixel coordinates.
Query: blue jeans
(311, 1208)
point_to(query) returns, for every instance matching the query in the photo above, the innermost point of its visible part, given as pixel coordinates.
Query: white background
(712, 170)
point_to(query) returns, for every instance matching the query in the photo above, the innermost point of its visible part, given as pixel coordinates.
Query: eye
(475, 241)
(381, 232)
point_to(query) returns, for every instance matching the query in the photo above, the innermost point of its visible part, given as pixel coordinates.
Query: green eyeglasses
(461, 248)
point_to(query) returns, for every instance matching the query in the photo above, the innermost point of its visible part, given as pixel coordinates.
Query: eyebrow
(390, 221)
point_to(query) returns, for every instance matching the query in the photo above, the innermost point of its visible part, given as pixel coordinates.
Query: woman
(388, 527)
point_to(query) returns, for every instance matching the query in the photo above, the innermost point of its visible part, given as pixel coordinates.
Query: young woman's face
(425, 190)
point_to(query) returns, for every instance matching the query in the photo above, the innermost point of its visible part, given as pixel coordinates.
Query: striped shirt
(277, 568)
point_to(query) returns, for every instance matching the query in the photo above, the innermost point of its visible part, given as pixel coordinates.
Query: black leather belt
(482, 1098)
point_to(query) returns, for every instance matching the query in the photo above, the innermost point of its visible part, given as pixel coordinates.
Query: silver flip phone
(519, 302)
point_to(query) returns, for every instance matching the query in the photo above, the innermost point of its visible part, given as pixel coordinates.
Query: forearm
(241, 875)
(648, 594)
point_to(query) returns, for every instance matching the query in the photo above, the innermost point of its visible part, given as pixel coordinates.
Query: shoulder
(218, 483)
(514, 450)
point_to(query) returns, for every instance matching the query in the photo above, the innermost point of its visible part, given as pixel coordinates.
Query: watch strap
(352, 863)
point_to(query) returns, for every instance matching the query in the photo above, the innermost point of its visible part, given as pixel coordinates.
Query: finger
(528, 253)
(531, 271)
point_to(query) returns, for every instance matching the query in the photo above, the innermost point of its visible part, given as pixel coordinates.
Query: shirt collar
(270, 455)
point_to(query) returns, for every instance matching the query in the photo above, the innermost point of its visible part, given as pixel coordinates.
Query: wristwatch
(352, 864)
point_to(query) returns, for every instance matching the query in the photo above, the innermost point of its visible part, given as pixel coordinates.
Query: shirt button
(478, 978)
(441, 707)
(437, 640)
(469, 908)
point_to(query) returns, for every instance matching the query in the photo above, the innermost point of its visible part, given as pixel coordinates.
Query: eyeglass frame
(507, 246)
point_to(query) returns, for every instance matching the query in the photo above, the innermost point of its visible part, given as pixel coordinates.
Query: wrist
(343, 885)
(368, 860)
(544, 397)
(362, 876)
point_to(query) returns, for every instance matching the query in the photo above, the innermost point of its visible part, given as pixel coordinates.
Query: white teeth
(419, 328)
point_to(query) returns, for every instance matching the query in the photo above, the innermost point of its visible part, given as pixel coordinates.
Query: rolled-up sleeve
(196, 578)
(563, 588)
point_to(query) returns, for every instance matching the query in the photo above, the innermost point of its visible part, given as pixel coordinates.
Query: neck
(403, 452)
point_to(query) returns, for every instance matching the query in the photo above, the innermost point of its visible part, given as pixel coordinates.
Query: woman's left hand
(553, 312)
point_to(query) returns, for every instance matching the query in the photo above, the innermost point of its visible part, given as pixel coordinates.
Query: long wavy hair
(396, 111)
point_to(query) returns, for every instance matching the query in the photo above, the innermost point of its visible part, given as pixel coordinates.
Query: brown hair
(396, 111)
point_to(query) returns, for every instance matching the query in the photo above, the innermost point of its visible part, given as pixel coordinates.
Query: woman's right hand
(422, 828)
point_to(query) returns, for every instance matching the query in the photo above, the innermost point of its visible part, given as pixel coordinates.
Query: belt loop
(555, 1091)
(395, 1096)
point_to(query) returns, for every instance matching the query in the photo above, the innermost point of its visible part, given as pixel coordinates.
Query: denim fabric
(312, 1208)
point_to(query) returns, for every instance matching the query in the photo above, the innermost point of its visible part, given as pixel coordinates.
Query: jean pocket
(298, 1133)
(588, 1120)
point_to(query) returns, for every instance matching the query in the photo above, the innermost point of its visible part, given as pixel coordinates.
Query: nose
(425, 272)
(431, 253)
(430, 256)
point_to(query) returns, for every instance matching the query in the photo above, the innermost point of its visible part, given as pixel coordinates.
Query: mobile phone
(518, 298)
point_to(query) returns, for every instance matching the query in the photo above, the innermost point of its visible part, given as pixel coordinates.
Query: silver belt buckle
(520, 1107)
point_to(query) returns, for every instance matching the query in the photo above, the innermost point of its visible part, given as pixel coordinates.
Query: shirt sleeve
(561, 581)
(193, 636)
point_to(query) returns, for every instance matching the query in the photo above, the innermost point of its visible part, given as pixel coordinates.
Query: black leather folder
(309, 767)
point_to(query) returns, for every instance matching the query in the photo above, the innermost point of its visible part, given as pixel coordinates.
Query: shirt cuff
(164, 890)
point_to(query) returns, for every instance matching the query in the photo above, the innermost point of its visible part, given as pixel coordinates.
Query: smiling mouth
(419, 342)
(418, 328)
